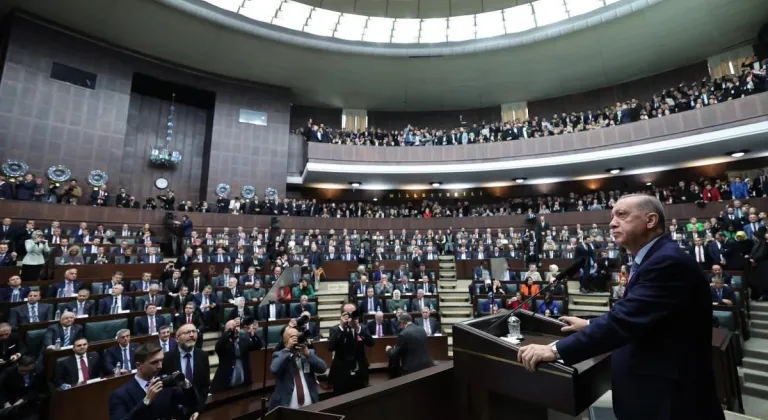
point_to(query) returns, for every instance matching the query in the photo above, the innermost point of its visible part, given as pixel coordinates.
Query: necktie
(165, 346)
(69, 288)
(720, 294)
(84, 369)
(427, 327)
(33, 313)
(114, 305)
(189, 319)
(126, 360)
(66, 337)
(378, 331)
(370, 305)
(15, 296)
(188, 366)
(151, 325)
(299, 385)
(152, 299)
(197, 286)
(699, 254)
(80, 308)
(221, 259)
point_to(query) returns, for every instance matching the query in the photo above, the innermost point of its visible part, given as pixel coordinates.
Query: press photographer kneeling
(294, 368)
(149, 396)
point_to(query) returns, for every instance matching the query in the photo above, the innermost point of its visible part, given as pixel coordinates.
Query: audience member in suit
(222, 279)
(240, 310)
(131, 401)
(404, 286)
(191, 361)
(165, 341)
(667, 303)
(208, 303)
(15, 292)
(151, 257)
(430, 325)
(115, 303)
(150, 322)
(32, 311)
(303, 306)
(79, 367)
(173, 284)
(66, 331)
(231, 292)
(717, 271)
(190, 316)
(424, 285)
(233, 351)
(370, 304)
(379, 327)
(411, 352)
(67, 287)
(700, 253)
(249, 278)
(153, 296)
(196, 283)
(349, 368)
(144, 284)
(126, 258)
(721, 294)
(7, 258)
(122, 353)
(285, 368)
(82, 306)
(24, 386)
(718, 250)
(11, 346)
(181, 300)
(271, 310)
(422, 302)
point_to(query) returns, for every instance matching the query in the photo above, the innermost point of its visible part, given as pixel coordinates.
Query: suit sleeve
(316, 364)
(280, 362)
(366, 336)
(659, 292)
(120, 410)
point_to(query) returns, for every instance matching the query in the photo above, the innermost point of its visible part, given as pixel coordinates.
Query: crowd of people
(698, 94)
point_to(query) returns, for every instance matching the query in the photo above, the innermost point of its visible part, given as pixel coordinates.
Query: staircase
(754, 371)
(209, 347)
(454, 298)
(330, 296)
(592, 304)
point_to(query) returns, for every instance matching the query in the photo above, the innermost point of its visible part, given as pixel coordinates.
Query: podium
(494, 385)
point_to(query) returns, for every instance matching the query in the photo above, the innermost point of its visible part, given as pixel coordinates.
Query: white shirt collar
(142, 383)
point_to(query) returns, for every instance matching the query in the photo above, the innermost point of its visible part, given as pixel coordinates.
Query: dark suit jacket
(386, 327)
(234, 313)
(225, 349)
(201, 284)
(264, 311)
(7, 261)
(53, 290)
(67, 369)
(12, 386)
(181, 319)
(434, 326)
(114, 354)
(227, 294)
(105, 304)
(201, 371)
(412, 350)
(57, 331)
(6, 292)
(376, 306)
(349, 351)
(282, 363)
(141, 324)
(728, 293)
(660, 335)
(126, 403)
(169, 287)
(10, 346)
(89, 308)
(20, 314)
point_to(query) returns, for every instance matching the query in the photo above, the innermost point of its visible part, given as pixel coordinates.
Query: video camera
(304, 333)
(173, 379)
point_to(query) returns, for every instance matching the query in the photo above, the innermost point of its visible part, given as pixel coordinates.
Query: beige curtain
(513, 111)
(354, 119)
(721, 64)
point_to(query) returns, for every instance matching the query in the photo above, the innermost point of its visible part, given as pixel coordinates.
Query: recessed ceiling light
(436, 184)
(649, 183)
(375, 199)
(355, 184)
(614, 171)
(738, 153)
(520, 180)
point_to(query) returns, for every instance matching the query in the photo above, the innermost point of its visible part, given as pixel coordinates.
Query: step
(463, 284)
(756, 348)
(755, 390)
(447, 330)
(759, 365)
(761, 325)
(759, 316)
(450, 352)
(450, 340)
(456, 312)
(452, 320)
(755, 377)
(213, 360)
(325, 332)
(761, 307)
(576, 292)
(447, 273)
(589, 301)
(455, 304)
(446, 258)
(446, 266)
(759, 333)
(448, 296)
(209, 347)
(328, 313)
(577, 307)
(329, 324)
(333, 287)
(211, 335)
(336, 298)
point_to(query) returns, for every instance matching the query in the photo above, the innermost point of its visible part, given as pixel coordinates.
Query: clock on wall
(161, 183)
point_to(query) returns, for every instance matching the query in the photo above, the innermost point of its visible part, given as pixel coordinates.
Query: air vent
(77, 77)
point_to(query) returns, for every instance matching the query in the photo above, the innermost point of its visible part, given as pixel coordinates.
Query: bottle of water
(58, 314)
(58, 343)
(118, 367)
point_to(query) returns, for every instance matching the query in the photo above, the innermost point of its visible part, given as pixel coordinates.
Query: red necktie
(84, 369)
(299, 386)
(189, 319)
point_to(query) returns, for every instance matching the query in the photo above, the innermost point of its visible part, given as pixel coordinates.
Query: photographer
(34, 260)
(294, 367)
(234, 358)
(148, 396)
(349, 368)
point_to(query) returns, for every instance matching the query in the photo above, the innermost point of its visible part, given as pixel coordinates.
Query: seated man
(271, 310)
(378, 327)
(23, 385)
(189, 316)
(423, 284)
(420, 302)
(722, 295)
(181, 299)
(126, 257)
(150, 322)
(231, 292)
(154, 297)
(165, 341)
(32, 312)
(548, 307)
(119, 358)
(429, 324)
(222, 280)
(79, 367)
(250, 278)
(240, 310)
(15, 292)
(106, 287)
(481, 272)
(151, 257)
(65, 332)
(116, 303)
(143, 284)
(208, 304)
(67, 287)
(405, 287)
(370, 304)
(302, 307)
(717, 272)
(383, 287)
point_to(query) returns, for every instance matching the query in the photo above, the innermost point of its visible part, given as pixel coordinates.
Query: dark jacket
(412, 350)
(225, 349)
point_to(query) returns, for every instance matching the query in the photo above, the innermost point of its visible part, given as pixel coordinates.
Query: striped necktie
(66, 337)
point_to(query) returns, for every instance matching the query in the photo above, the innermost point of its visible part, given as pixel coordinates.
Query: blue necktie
(66, 337)
(126, 360)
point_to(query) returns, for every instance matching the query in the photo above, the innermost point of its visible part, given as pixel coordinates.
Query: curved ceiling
(666, 36)
(407, 9)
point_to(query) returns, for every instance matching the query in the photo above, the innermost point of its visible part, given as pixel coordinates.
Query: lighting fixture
(738, 153)
(375, 199)
(436, 184)
(520, 180)
(649, 183)
(614, 171)
(355, 184)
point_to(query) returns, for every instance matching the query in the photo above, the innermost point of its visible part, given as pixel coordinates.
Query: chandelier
(164, 155)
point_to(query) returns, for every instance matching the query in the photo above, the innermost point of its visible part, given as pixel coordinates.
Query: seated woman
(548, 307)
(74, 257)
(529, 288)
(554, 270)
(396, 303)
(498, 288)
(515, 302)
(303, 289)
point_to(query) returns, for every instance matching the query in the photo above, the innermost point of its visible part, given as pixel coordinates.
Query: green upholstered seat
(726, 319)
(34, 340)
(104, 330)
(96, 287)
(736, 281)
(512, 288)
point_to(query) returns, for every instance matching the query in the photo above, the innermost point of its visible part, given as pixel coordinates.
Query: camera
(353, 315)
(173, 379)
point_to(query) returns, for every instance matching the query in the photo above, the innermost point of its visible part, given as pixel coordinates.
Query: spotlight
(649, 183)
(738, 153)
(375, 199)
(436, 184)
(520, 180)
(355, 184)
(614, 171)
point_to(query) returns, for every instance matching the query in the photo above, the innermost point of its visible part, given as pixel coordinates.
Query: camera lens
(174, 379)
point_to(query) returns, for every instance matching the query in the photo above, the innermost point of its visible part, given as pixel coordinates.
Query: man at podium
(660, 333)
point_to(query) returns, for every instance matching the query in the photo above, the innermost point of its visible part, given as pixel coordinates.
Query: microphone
(572, 269)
